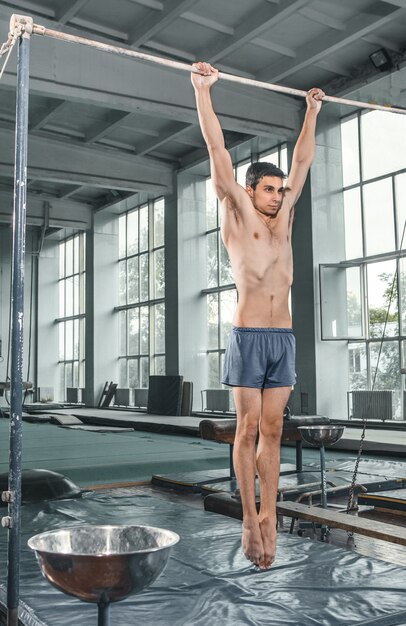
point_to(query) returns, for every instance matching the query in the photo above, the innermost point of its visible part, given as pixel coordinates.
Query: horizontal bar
(177, 65)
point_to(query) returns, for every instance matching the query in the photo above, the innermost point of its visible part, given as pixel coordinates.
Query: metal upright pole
(13, 495)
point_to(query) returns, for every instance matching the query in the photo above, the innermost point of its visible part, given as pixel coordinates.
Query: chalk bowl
(321, 435)
(103, 564)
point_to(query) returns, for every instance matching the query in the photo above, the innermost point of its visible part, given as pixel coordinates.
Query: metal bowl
(321, 435)
(103, 563)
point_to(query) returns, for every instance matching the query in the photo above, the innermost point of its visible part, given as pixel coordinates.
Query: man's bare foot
(268, 533)
(251, 542)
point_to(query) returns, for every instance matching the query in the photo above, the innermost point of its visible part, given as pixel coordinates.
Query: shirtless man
(256, 228)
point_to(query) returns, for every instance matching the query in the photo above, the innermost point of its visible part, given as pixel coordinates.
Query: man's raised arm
(220, 161)
(305, 145)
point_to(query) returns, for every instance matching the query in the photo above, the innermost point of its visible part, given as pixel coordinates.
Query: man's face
(267, 196)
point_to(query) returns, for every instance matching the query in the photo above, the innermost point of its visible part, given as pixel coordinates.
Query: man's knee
(270, 427)
(247, 428)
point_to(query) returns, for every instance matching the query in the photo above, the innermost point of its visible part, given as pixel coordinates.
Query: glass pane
(241, 170)
(132, 280)
(122, 236)
(144, 372)
(350, 151)
(270, 157)
(82, 381)
(75, 280)
(341, 302)
(144, 278)
(75, 374)
(122, 322)
(133, 373)
(82, 332)
(354, 300)
(123, 374)
(69, 257)
(357, 366)
(69, 340)
(380, 280)
(211, 206)
(212, 320)
(388, 371)
(159, 223)
(61, 298)
(143, 228)
(134, 331)
(76, 254)
(353, 224)
(61, 341)
(402, 295)
(82, 293)
(75, 340)
(212, 260)
(61, 259)
(82, 252)
(159, 328)
(400, 194)
(69, 297)
(144, 330)
(68, 377)
(378, 217)
(132, 233)
(122, 284)
(62, 392)
(160, 366)
(213, 373)
(228, 303)
(382, 139)
(226, 277)
(159, 279)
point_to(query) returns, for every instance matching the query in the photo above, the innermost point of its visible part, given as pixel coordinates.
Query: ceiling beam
(317, 50)
(270, 45)
(76, 164)
(204, 21)
(256, 23)
(113, 120)
(116, 83)
(322, 18)
(42, 120)
(62, 212)
(68, 9)
(155, 23)
(382, 42)
(164, 137)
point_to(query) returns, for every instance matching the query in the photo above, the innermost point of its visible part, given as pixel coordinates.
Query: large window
(71, 313)
(141, 294)
(221, 294)
(374, 176)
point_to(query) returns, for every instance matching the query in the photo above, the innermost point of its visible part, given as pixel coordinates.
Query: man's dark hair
(258, 170)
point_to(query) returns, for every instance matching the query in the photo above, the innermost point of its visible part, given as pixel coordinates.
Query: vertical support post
(17, 317)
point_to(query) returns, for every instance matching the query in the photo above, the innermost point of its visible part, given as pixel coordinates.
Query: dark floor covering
(208, 582)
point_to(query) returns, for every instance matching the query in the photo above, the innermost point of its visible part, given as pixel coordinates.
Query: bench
(223, 431)
(350, 523)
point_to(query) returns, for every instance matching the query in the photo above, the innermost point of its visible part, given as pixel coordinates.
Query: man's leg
(268, 461)
(248, 405)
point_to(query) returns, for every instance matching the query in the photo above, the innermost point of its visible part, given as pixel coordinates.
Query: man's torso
(261, 261)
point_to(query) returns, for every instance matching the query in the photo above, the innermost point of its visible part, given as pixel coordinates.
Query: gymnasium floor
(207, 581)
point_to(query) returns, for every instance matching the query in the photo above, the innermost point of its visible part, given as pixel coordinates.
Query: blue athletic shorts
(260, 357)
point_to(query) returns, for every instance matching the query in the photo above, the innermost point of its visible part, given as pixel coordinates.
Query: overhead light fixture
(381, 60)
